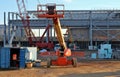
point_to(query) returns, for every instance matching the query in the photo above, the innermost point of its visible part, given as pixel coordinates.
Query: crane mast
(25, 20)
(26, 24)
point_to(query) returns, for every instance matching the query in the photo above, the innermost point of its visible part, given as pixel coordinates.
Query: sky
(11, 5)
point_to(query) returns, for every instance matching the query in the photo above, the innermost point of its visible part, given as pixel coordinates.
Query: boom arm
(57, 27)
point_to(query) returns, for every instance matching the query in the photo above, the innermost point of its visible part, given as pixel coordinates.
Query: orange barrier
(78, 54)
(75, 54)
(52, 53)
(44, 53)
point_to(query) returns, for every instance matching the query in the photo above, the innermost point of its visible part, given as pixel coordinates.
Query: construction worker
(14, 58)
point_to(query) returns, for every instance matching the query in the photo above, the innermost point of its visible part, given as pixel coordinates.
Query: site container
(31, 53)
(22, 58)
(4, 57)
(24, 54)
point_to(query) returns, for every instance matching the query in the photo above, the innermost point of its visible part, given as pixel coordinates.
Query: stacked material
(105, 51)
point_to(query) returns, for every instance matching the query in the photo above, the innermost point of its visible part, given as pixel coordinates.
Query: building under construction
(87, 28)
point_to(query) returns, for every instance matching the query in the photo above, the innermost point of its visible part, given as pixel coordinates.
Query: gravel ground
(84, 69)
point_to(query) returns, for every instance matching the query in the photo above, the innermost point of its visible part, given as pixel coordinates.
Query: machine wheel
(74, 62)
(48, 62)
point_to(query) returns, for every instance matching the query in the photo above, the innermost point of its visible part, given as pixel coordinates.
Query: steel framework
(105, 22)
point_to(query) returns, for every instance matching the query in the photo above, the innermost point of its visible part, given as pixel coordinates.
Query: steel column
(108, 28)
(9, 33)
(4, 29)
(90, 29)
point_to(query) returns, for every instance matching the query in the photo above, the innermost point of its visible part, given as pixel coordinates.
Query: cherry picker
(49, 11)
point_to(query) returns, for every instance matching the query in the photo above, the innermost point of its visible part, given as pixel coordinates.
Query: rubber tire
(48, 62)
(74, 62)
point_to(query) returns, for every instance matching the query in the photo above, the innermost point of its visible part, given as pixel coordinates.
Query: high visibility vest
(14, 56)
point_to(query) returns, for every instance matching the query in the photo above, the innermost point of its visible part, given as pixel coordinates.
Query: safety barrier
(75, 53)
(78, 54)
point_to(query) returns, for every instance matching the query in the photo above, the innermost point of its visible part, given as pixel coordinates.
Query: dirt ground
(84, 69)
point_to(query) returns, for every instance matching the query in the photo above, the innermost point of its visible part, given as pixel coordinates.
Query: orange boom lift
(49, 11)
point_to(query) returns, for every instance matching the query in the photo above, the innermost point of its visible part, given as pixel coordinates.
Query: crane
(25, 20)
(26, 24)
(49, 11)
